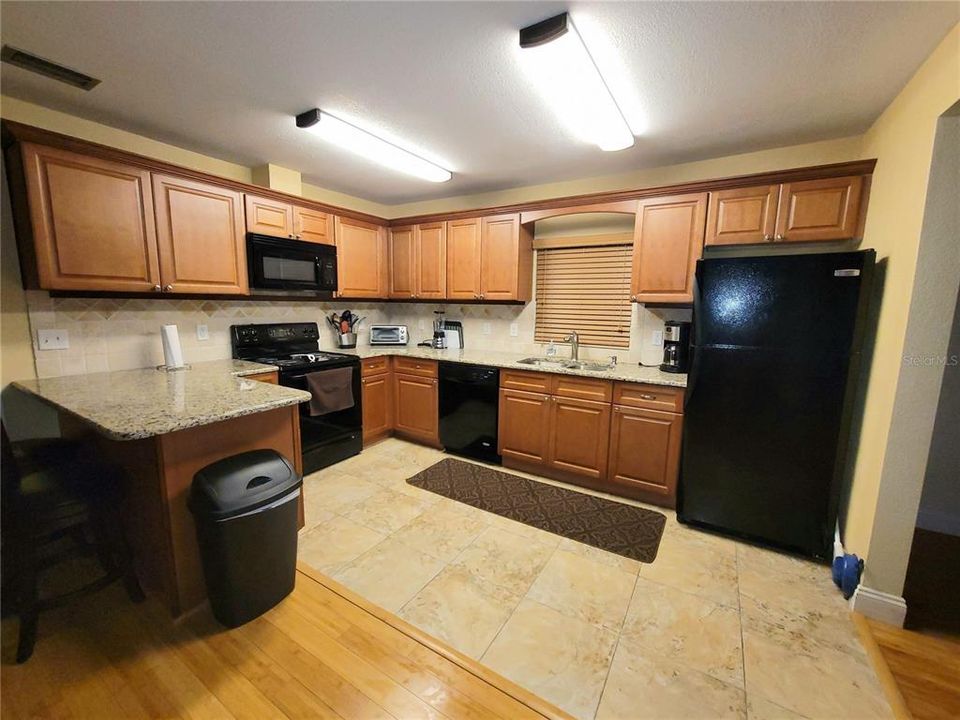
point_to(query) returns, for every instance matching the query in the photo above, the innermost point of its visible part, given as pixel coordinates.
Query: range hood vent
(47, 68)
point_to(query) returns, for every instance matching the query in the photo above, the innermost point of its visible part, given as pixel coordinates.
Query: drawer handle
(647, 396)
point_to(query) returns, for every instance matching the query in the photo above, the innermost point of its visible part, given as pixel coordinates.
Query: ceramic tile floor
(712, 628)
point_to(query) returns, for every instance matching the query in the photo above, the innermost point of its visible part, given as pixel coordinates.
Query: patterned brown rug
(626, 530)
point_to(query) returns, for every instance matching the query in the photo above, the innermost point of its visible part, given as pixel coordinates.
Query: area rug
(627, 530)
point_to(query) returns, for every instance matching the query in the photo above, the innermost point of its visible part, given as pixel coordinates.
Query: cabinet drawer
(582, 388)
(651, 397)
(526, 381)
(374, 366)
(413, 366)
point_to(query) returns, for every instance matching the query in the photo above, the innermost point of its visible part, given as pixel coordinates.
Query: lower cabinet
(377, 401)
(417, 408)
(645, 454)
(523, 429)
(579, 434)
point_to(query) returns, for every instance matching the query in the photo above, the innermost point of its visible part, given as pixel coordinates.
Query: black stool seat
(56, 491)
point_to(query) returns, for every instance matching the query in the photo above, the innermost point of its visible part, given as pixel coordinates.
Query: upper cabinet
(200, 237)
(506, 258)
(463, 259)
(266, 216)
(92, 223)
(418, 264)
(361, 259)
(667, 241)
(806, 211)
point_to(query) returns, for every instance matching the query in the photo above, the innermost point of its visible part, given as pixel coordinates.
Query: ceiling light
(563, 70)
(358, 141)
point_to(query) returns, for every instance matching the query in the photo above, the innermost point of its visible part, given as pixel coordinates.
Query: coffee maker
(676, 347)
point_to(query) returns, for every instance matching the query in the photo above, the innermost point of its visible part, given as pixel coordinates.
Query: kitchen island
(162, 427)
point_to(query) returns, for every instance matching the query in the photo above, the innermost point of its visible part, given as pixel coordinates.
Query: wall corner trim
(887, 608)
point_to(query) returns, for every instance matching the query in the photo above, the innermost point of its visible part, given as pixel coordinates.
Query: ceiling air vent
(44, 67)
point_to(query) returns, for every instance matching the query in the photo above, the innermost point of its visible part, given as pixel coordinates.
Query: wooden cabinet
(377, 399)
(268, 377)
(808, 211)
(418, 262)
(463, 259)
(645, 454)
(579, 435)
(200, 237)
(92, 223)
(742, 215)
(417, 410)
(489, 259)
(668, 239)
(361, 259)
(268, 217)
(313, 226)
(523, 430)
(819, 210)
(506, 259)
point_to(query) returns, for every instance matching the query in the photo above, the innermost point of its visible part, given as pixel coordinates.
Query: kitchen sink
(565, 363)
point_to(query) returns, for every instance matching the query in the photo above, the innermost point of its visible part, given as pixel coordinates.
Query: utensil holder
(346, 340)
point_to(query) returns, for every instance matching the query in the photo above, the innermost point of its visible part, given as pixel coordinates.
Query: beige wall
(16, 358)
(902, 140)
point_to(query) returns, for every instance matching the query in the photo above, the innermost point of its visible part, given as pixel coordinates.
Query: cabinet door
(200, 237)
(92, 221)
(376, 396)
(499, 251)
(742, 216)
(645, 453)
(361, 259)
(523, 428)
(463, 259)
(269, 217)
(667, 242)
(403, 259)
(313, 226)
(819, 210)
(417, 412)
(579, 437)
(431, 261)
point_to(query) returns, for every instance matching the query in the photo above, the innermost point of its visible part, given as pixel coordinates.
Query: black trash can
(245, 508)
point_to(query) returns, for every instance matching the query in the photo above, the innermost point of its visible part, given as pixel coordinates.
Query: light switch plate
(514, 329)
(656, 337)
(421, 325)
(203, 333)
(53, 339)
(486, 328)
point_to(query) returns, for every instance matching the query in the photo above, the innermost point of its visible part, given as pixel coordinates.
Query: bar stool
(58, 501)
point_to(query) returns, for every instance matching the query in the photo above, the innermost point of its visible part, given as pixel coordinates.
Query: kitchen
(516, 383)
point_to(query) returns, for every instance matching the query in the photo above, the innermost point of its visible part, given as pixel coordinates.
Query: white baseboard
(891, 609)
(941, 522)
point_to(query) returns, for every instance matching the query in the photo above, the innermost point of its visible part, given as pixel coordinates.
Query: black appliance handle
(694, 372)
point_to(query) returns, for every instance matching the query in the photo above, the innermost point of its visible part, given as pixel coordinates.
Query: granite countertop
(627, 372)
(133, 404)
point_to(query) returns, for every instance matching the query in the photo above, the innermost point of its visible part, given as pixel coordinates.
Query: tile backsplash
(120, 334)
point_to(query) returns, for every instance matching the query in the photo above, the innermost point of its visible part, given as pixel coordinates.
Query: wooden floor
(322, 653)
(925, 668)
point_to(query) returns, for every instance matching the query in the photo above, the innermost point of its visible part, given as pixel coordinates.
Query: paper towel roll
(172, 353)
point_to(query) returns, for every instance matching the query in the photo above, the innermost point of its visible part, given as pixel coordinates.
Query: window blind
(586, 289)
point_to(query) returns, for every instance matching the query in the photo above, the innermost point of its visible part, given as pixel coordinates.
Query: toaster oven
(388, 334)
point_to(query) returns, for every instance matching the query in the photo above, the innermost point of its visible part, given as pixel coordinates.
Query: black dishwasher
(469, 396)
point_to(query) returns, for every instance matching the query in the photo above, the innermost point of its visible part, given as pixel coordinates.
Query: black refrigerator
(776, 352)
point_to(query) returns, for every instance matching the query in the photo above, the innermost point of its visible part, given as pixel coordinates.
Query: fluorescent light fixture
(566, 75)
(362, 143)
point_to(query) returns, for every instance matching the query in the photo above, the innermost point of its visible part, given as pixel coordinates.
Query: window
(586, 289)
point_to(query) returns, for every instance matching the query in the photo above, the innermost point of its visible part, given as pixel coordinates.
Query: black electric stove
(294, 349)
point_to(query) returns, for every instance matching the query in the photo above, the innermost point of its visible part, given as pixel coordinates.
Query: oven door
(277, 264)
(317, 431)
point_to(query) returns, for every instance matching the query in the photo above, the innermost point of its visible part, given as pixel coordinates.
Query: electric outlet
(656, 337)
(514, 329)
(203, 333)
(53, 339)
(421, 324)
(486, 328)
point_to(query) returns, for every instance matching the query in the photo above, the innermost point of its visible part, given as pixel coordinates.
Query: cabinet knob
(481, 296)
(647, 396)
(633, 298)
(290, 236)
(780, 237)
(767, 238)
(157, 288)
(168, 288)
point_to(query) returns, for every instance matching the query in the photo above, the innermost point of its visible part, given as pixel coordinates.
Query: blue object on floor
(846, 573)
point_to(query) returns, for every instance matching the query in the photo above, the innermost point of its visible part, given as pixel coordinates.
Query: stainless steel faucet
(574, 339)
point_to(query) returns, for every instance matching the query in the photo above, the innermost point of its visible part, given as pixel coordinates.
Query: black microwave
(291, 266)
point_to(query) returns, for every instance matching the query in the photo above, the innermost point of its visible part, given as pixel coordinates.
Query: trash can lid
(241, 483)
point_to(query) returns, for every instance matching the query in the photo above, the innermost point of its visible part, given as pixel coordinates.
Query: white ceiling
(702, 79)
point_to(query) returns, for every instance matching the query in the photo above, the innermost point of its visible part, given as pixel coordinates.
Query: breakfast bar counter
(162, 427)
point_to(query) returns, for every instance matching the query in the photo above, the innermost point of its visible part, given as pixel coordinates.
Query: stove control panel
(274, 333)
